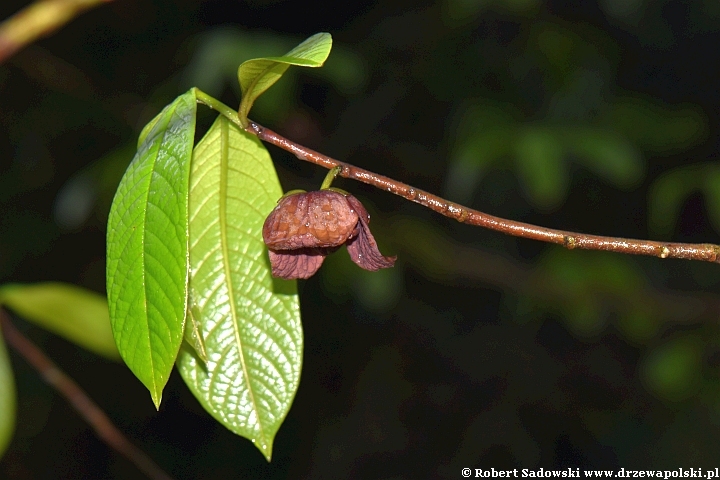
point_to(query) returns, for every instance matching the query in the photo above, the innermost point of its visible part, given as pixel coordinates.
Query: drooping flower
(305, 227)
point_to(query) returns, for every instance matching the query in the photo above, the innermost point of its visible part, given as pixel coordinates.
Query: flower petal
(300, 263)
(312, 219)
(363, 248)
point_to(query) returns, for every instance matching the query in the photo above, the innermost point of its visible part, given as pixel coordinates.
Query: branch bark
(705, 252)
(441, 257)
(79, 400)
(38, 20)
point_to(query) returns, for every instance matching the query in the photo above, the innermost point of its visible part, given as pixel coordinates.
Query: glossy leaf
(249, 321)
(79, 315)
(259, 74)
(8, 400)
(148, 128)
(147, 258)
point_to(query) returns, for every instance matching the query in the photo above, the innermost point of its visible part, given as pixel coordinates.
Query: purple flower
(305, 227)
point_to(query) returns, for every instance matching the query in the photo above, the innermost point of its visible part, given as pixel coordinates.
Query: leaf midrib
(222, 212)
(143, 270)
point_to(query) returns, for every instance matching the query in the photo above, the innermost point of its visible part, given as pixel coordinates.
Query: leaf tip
(156, 398)
(265, 449)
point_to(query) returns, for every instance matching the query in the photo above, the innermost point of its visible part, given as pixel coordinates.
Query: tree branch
(439, 256)
(570, 240)
(38, 20)
(79, 400)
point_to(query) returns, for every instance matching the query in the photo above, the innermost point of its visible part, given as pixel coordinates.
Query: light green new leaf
(147, 256)
(8, 400)
(79, 315)
(249, 321)
(259, 74)
(148, 128)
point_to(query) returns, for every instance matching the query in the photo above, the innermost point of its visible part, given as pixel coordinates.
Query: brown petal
(363, 248)
(301, 263)
(312, 219)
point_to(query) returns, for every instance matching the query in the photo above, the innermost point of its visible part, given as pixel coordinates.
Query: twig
(443, 257)
(705, 251)
(79, 400)
(38, 20)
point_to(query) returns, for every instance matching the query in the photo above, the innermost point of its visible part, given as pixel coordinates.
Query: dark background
(476, 350)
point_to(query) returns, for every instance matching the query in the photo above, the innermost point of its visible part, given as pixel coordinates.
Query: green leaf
(668, 193)
(8, 400)
(147, 255)
(486, 133)
(608, 154)
(193, 335)
(148, 128)
(673, 371)
(250, 322)
(541, 166)
(259, 74)
(654, 126)
(79, 315)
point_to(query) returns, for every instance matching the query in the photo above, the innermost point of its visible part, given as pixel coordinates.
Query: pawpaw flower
(306, 227)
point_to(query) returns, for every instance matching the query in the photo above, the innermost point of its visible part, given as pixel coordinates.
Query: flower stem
(330, 177)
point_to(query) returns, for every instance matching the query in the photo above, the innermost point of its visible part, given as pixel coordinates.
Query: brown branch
(441, 257)
(570, 240)
(38, 20)
(79, 400)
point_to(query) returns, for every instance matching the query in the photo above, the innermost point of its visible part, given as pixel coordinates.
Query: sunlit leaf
(259, 74)
(8, 399)
(79, 315)
(147, 129)
(147, 258)
(249, 321)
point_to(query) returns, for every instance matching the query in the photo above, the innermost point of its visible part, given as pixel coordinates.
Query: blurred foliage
(578, 116)
(74, 313)
(671, 190)
(477, 349)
